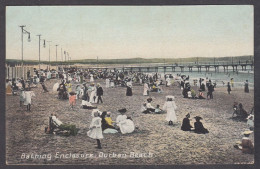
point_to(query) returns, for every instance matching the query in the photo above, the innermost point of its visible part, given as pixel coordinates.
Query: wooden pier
(190, 67)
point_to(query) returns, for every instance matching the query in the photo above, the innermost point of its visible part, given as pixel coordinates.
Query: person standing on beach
(107, 83)
(95, 130)
(246, 87)
(93, 93)
(228, 88)
(99, 93)
(170, 108)
(232, 82)
(146, 89)
(91, 78)
(28, 99)
(22, 96)
(210, 91)
(129, 88)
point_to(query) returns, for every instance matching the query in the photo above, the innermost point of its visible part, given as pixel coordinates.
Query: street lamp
(49, 54)
(29, 39)
(56, 56)
(40, 49)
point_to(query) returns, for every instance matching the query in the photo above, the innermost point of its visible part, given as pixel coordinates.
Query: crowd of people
(80, 84)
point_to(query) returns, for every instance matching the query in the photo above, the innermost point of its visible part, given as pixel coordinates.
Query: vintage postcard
(129, 85)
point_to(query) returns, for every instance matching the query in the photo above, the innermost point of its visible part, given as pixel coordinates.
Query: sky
(113, 32)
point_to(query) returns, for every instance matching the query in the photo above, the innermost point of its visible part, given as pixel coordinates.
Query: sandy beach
(154, 142)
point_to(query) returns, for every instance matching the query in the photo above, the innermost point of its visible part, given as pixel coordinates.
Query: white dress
(146, 88)
(93, 94)
(168, 81)
(28, 97)
(91, 78)
(170, 108)
(149, 106)
(112, 84)
(96, 132)
(125, 125)
(107, 83)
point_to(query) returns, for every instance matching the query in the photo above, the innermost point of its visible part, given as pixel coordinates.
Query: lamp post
(56, 57)
(49, 54)
(40, 50)
(24, 32)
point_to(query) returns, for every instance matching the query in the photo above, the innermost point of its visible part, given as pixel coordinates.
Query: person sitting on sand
(105, 125)
(246, 145)
(109, 119)
(144, 108)
(201, 96)
(125, 124)
(56, 123)
(250, 121)
(186, 123)
(158, 110)
(199, 128)
(87, 105)
(109, 123)
(149, 106)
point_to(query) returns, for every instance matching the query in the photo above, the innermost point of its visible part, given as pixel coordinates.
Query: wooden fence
(17, 71)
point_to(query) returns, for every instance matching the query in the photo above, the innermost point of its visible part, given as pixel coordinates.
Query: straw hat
(198, 117)
(170, 97)
(247, 132)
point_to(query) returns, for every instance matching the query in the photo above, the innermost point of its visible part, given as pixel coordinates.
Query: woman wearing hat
(149, 106)
(246, 145)
(93, 93)
(91, 78)
(146, 89)
(124, 123)
(129, 88)
(186, 123)
(199, 128)
(170, 108)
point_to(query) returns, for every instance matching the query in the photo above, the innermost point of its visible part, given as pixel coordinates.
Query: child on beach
(158, 110)
(72, 99)
(28, 98)
(95, 130)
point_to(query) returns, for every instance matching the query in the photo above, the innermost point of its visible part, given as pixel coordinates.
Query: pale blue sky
(131, 31)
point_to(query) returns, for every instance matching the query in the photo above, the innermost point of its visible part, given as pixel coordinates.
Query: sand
(154, 142)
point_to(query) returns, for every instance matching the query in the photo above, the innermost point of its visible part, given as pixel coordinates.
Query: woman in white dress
(95, 131)
(107, 83)
(126, 125)
(112, 83)
(168, 81)
(91, 78)
(93, 93)
(146, 89)
(170, 108)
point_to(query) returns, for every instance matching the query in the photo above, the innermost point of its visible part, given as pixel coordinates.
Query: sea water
(221, 78)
